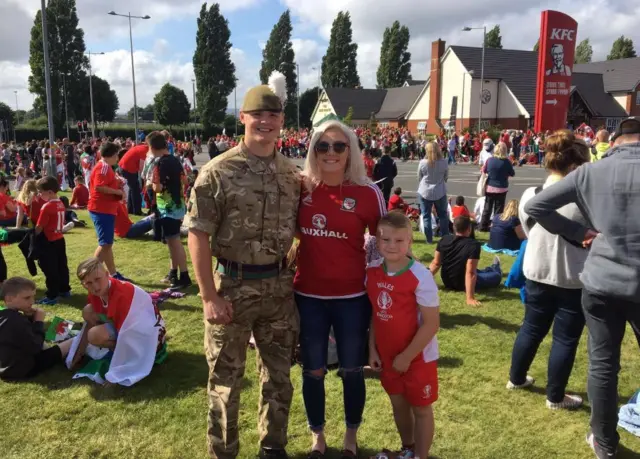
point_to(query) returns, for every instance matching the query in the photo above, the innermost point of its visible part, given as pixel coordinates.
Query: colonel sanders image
(557, 54)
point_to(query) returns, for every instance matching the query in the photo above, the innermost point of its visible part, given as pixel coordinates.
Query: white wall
(621, 98)
(323, 108)
(488, 110)
(508, 105)
(421, 110)
(451, 84)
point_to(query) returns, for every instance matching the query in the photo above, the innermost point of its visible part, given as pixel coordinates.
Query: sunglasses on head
(337, 147)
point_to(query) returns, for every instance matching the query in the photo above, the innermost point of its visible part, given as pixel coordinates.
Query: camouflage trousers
(265, 308)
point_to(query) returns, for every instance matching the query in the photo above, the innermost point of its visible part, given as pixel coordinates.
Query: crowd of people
(285, 256)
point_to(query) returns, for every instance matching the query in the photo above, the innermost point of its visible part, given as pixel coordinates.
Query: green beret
(261, 98)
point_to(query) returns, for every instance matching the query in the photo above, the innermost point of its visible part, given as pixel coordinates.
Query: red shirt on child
(80, 196)
(396, 202)
(101, 203)
(51, 219)
(123, 222)
(6, 214)
(460, 211)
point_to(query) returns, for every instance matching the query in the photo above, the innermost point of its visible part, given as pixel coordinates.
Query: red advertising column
(555, 63)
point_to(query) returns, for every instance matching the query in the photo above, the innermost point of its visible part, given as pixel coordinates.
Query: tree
(584, 51)
(339, 63)
(171, 106)
(130, 113)
(537, 46)
(105, 101)
(348, 117)
(494, 39)
(66, 56)
(395, 60)
(278, 55)
(215, 73)
(308, 102)
(622, 49)
(6, 116)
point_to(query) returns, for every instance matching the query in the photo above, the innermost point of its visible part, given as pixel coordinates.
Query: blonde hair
(28, 191)
(510, 210)
(355, 171)
(433, 153)
(396, 219)
(88, 266)
(501, 151)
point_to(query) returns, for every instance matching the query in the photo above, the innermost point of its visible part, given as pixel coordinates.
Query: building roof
(618, 75)
(590, 86)
(517, 68)
(398, 101)
(415, 82)
(363, 101)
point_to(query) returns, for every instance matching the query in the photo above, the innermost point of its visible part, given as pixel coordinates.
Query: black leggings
(494, 202)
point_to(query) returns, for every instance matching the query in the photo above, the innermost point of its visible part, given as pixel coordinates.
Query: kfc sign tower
(555, 61)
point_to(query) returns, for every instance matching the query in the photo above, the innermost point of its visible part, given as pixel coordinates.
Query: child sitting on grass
(80, 195)
(460, 209)
(396, 202)
(22, 333)
(71, 219)
(52, 248)
(402, 342)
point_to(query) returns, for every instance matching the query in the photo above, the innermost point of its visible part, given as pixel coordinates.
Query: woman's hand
(374, 359)
(589, 236)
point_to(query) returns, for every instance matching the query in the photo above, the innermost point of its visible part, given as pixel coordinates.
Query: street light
(484, 40)
(47, 77)
(93, 123)
(297, 88)
(66, 109)
(17, 116)
(319, 79)
(133, 72)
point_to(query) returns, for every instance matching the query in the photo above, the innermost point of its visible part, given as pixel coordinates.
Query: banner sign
(558, 33)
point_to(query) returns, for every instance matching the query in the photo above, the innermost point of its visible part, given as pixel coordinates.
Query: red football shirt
(6, 214)
(80, 196)
(123, 223)
(332, 221)
(33, 210)
(131, 160)
(51, 219)
(101, 203)
(395, 203)
(458, 211)
(369, 165)
(395, 299)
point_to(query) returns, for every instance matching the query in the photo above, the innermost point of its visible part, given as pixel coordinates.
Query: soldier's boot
(268, 453)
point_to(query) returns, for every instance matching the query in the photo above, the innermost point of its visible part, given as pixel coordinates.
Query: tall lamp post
(93, 122)
(66, 109)
(297, 88)
(318, 68)
(47, 77)
(195, 124)
(484, 41)
(133, 71)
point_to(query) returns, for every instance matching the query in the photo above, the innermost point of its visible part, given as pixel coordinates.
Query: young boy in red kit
(396, 202)
(402, 342)
(80, 195)
(53, 250)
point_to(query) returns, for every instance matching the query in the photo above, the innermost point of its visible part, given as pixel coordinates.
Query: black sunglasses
(337, 147)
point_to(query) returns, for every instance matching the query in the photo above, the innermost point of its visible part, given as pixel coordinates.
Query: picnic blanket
(511, 253)
(629, 415)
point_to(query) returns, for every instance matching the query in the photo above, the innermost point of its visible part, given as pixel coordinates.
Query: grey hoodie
(608, 195)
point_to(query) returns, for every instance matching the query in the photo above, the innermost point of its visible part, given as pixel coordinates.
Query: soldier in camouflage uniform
(243, 211)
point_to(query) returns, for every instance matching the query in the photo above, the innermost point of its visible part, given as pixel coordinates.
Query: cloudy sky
(165, 43)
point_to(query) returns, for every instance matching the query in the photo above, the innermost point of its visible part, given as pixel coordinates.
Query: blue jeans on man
(489, 277)
(134, 198)
(426, 206)
(350, 318)
(452, 157)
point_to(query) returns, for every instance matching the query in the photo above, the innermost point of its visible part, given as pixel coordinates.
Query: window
(383, 125)
(612, 124)
(422, 127)
(638, 98)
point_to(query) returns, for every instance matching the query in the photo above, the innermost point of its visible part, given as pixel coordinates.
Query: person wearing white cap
(487, 151)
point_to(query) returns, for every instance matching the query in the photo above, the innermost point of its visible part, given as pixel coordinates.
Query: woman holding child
(338, 204)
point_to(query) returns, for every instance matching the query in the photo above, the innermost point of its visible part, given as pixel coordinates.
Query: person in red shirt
(369, 163)
(396, 202)
(402, 340)
(460, 209)
(104, 198)
(131, 165)
(337, 205)
(52, 249)
(29, 204)
(8, 208)
(125, 228)
(80, 195)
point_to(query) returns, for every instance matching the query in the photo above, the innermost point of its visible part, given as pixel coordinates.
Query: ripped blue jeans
(350, 319)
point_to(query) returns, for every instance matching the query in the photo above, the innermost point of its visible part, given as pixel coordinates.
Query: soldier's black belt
(243, 271)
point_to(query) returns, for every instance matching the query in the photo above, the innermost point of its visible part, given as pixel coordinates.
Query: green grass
(164, 416)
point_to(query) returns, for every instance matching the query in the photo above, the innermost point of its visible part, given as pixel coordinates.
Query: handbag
(481, 187)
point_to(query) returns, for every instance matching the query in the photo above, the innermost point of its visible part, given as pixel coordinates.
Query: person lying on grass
(121, 317)
(458, 256)
(22, 334)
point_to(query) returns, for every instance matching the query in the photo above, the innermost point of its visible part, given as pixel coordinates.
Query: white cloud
(427, 21)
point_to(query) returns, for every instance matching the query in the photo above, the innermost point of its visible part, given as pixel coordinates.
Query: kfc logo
(319, 221)
(558, 65)
(563, 34)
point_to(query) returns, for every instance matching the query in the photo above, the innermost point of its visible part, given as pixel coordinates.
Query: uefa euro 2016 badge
(349, 204)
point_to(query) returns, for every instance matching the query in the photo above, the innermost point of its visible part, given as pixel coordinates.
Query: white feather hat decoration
(278, 84)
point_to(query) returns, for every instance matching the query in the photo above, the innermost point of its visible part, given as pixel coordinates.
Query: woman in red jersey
(337, 206)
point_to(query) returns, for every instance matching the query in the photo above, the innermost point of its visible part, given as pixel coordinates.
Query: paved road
(462, 179)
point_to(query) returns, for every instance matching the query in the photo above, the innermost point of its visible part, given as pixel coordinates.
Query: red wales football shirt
(396, 299)
(51, 220)
(332, 221)
(101, 203)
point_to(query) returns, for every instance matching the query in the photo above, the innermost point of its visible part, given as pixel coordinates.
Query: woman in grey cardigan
(433, 172)
(553, 291)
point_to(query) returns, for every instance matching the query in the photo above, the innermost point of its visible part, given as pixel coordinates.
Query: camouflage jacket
(247, 205)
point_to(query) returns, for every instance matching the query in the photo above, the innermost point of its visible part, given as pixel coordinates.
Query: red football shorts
(419, 385)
